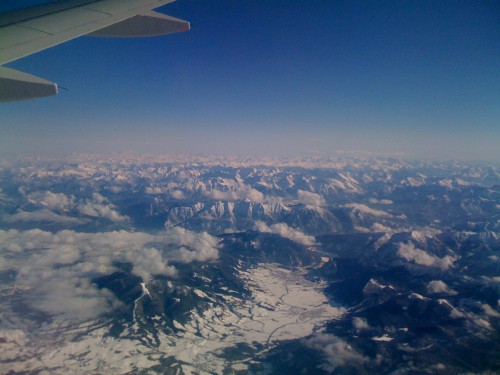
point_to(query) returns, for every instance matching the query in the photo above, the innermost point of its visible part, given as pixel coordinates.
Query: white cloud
(4, 265)
(77, 300)
(219, 195)
(98, 198)
(199, 247)
(153, 190)
(380, 201)
(254, 195)
(377, 227)
(116, 189)
(473, 318)
(438, 286)
(362, 229)
(490, 311)
(491, 279)
(3, 196)
(205, 254)
(44, 215)
(238, 193)
(409, 252)
(148, 262)
(56, 269)
(177, 194)
(286, 232)
(53, 201)
(360, 323)
(99, 207)
(54, 205)
(310, 198)
(336, 351)
(99, 210)
(367, 210)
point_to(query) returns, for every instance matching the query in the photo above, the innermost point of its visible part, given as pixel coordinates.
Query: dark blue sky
(419, 77)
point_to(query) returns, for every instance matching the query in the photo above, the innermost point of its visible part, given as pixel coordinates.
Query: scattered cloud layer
(177, 194)
(55, 270)
(380, 201)
(377, 227)
(360, 323)
(286, 232)
(439, 287)
(53, 201)
(411, 253)
(98, 207)
(490, 311)
(238, 193)
(45, 216)
(309, 198)
(336, 351)
(367, 210)
(66, 209)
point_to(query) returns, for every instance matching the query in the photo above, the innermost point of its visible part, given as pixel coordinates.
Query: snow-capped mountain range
(203, 264)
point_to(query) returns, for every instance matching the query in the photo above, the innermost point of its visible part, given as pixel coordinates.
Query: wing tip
(16, 86)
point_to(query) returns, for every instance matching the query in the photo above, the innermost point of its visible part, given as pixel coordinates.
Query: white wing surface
(27, 31)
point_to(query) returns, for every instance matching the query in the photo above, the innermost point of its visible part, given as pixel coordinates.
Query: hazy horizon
(418, 78)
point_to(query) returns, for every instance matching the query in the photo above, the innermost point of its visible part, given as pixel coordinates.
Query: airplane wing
(27, 31)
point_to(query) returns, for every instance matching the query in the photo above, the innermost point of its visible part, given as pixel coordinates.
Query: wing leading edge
(25, 32)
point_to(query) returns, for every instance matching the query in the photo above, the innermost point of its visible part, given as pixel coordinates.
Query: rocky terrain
(183, 264)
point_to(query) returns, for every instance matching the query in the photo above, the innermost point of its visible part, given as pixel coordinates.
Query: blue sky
(276, 77)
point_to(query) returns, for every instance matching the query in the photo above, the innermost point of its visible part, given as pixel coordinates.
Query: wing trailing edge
(142, 25)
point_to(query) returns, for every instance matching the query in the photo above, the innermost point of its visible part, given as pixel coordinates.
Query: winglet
(16, 85)
(145, 24)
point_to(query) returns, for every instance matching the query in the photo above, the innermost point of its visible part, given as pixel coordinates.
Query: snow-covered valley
(284, 306)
